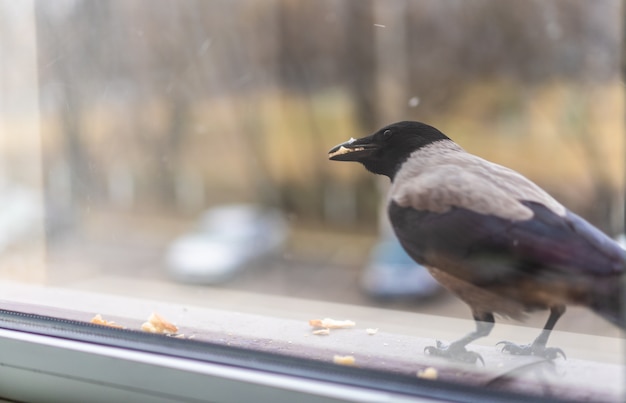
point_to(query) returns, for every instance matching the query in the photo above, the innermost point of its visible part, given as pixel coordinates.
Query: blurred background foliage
(181, 105)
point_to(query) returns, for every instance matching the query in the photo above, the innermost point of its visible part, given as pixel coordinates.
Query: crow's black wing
(487, 248)
(568, 242)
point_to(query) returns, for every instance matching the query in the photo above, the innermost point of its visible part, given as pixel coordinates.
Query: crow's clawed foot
(454, 352)
(549, 353)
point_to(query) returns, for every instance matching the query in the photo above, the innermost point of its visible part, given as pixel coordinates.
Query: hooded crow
(488, 234)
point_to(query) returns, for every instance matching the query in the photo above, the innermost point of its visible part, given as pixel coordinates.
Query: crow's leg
(456, 350)
(538, 347)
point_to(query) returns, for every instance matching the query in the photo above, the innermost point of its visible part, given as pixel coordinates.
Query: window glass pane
(173, 158)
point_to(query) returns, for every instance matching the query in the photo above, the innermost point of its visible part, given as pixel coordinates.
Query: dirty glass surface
(169, 160)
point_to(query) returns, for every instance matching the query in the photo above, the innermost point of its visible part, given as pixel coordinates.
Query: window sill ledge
(397, 347)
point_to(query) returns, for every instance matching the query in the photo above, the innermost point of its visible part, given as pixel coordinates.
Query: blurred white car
(227, 239)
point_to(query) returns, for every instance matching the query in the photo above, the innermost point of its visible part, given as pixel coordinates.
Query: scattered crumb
(428, 373)
(193, 336)
(380, 26)
(344, 360)
(329, 323)
(98, 320)
(148, 327)
(321, 332)
(156, 324)
(371, 331)
(176, 336)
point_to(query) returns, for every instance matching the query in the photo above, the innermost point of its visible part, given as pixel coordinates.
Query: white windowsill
(280, 325)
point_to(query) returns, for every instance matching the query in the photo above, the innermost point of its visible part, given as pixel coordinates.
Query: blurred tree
(71, 51)
(358, 61)
(155, 67)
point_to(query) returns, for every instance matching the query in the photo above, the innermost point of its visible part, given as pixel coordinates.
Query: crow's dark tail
(608, 302)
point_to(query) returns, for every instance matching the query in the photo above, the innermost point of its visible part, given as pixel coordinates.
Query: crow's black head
(384, 151)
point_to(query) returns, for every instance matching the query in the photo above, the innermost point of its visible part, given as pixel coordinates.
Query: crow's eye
(387, 133)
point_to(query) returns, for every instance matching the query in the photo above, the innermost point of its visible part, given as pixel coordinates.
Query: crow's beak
(352, 150)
